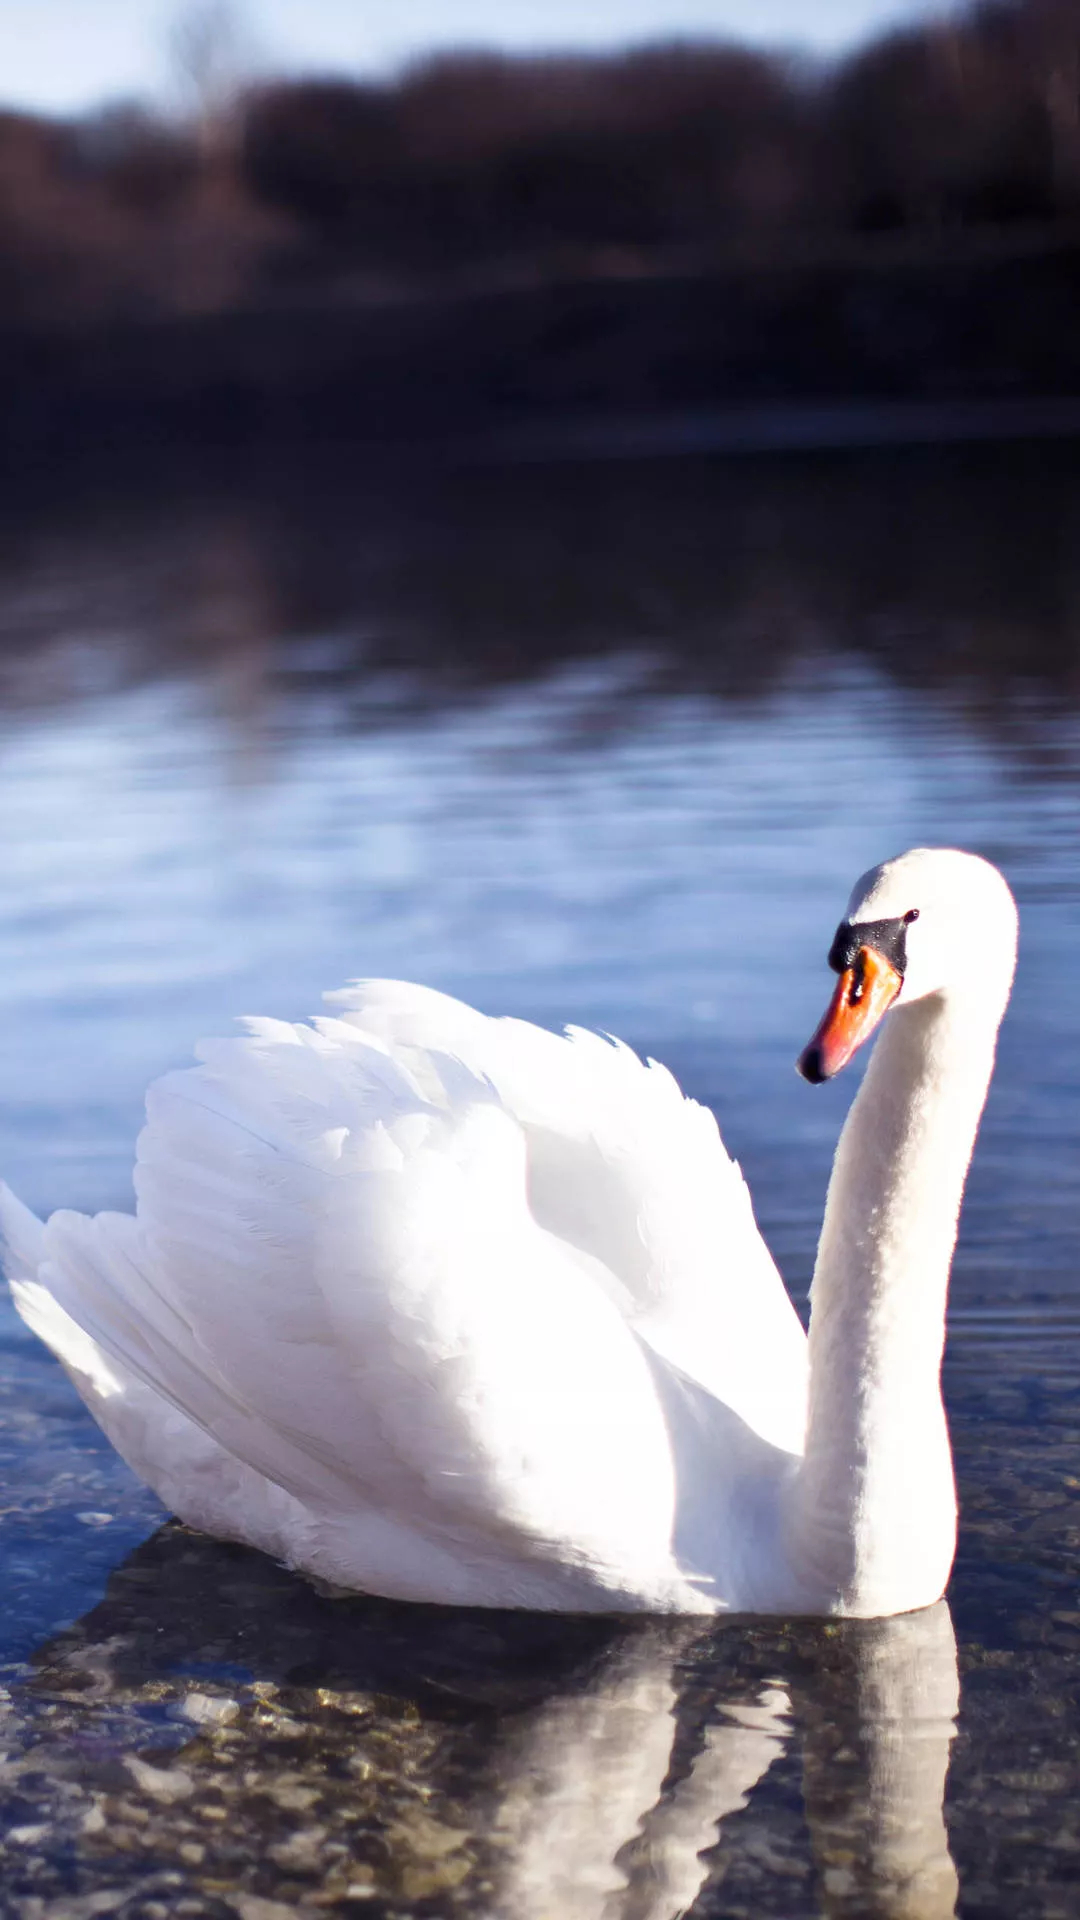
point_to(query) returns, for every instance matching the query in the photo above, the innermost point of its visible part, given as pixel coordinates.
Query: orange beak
(864, 994)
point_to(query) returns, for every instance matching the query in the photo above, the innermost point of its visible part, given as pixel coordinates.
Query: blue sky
(66, 54)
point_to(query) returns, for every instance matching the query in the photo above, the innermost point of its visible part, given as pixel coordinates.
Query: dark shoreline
(907, 351)
(789, 427)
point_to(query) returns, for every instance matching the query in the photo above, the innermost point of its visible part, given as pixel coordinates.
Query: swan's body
(456, 1310)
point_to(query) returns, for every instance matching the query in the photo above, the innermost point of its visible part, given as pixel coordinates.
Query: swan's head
(933, 921)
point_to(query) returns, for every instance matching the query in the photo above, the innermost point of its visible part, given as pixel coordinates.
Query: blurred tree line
(471, 171)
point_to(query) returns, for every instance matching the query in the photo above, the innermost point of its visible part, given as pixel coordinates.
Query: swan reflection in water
(588, 1820)
(510, 1765)
(602, 1825)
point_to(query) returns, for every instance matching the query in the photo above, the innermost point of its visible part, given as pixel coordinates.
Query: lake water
(606, 744)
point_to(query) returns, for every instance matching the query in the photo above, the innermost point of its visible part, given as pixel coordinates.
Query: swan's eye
(911, 914)
(858, 978)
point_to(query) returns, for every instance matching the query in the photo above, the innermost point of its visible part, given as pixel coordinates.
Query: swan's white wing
(624, 1168)
(336, 1278)
(393, 1299)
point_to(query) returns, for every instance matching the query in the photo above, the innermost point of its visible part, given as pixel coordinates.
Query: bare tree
(213, 57)
(1054, 26)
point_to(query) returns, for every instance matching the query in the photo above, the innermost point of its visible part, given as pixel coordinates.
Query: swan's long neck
(873, 1516)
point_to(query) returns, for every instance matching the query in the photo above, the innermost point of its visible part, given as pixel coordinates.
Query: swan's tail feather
(22, 1256)
(194, 1475)
(82, 1359)
(22, 1237)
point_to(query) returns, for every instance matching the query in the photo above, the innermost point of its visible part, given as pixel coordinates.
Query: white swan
(453, 1309)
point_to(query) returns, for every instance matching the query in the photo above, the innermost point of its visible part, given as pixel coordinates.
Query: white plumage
(446, 1308)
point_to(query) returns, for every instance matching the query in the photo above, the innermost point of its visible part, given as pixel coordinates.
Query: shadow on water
(215, 1728)
(951, 571)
